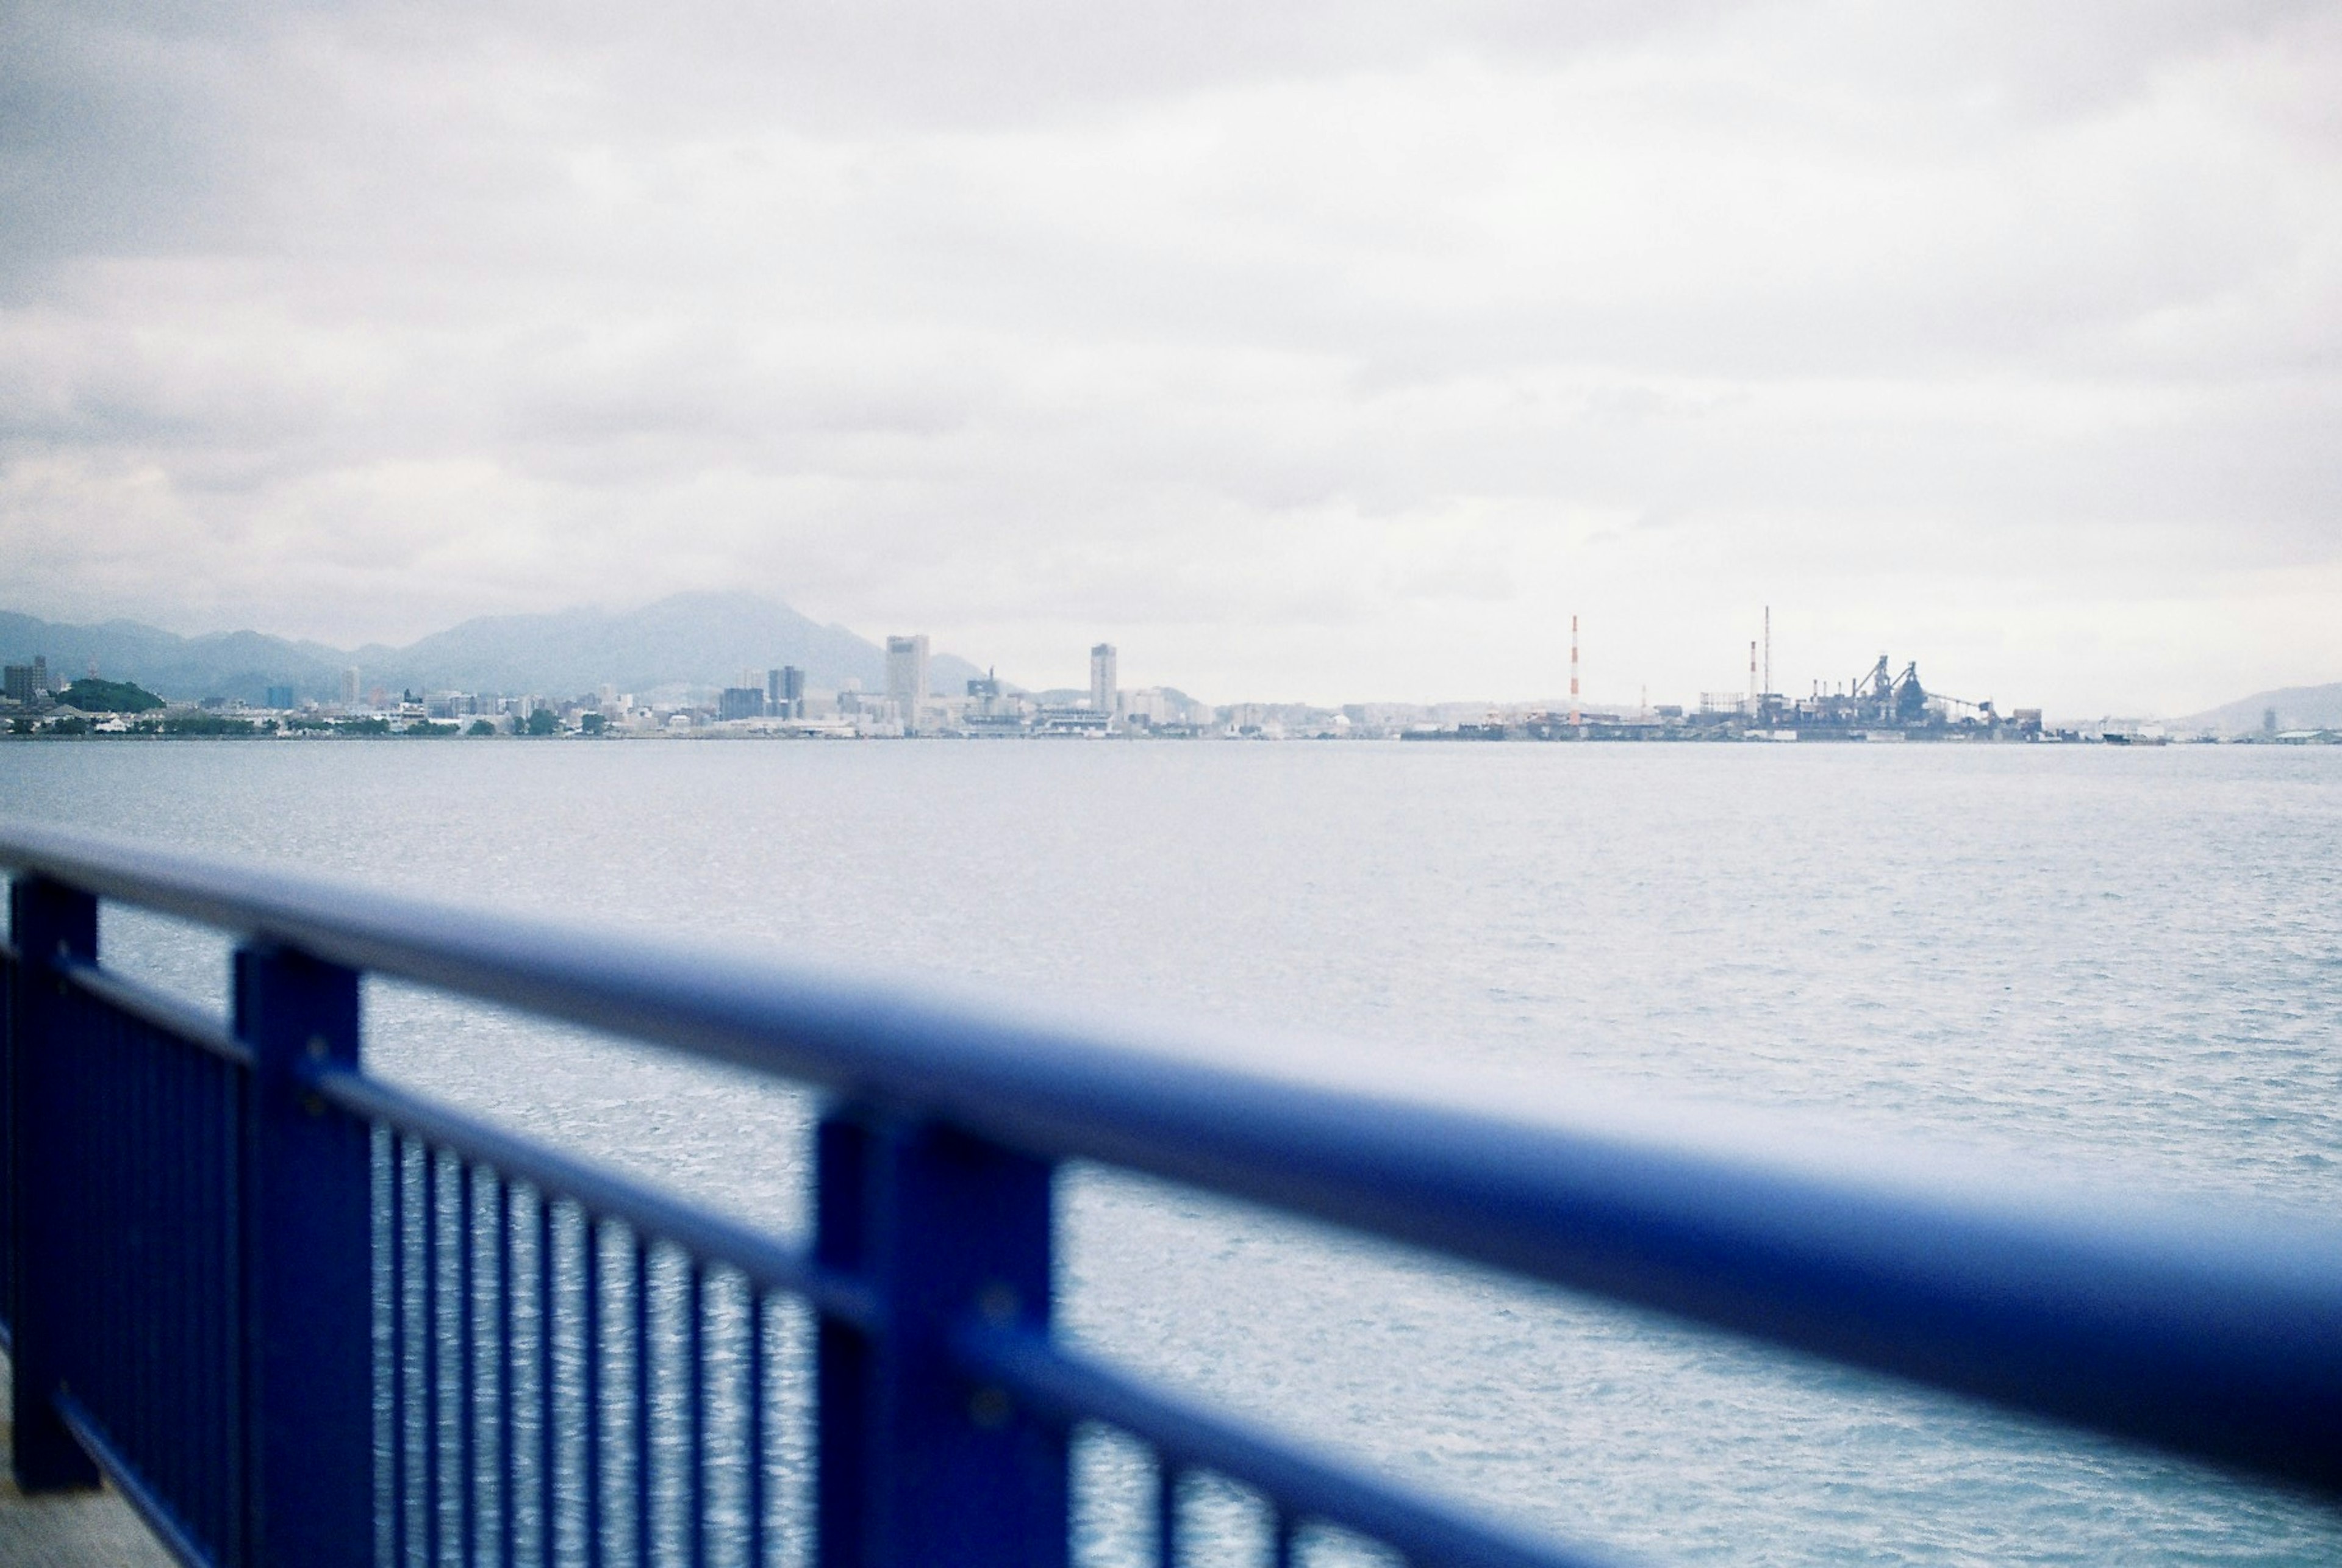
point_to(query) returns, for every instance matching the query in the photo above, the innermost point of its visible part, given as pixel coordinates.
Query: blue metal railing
(301, 1316)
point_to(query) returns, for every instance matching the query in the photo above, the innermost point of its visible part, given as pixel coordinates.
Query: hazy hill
(222, 664)
(2297, 708)
(704, 639)
(700, 639)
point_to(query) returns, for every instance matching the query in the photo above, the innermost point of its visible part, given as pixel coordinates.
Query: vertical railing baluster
(183, 1207)
(399, 1412)
(915, 1467)
(94, 1101)
(1287, 1528)
(467, 1403)
(211, 1240)
(227, 1247)
(694, 1410)
(164, 1072)
(164, 1182)
(7, 1132)
(123, 1096)
(151, 1170)
(434, 1497)
(547, 1453)
(644, 1470)
(178, 1207)
(1166, 1512)
(507, 1506)
(752, 1376)
(49, 923)
(126, 1135)
(309, 1307)
(592, 1274)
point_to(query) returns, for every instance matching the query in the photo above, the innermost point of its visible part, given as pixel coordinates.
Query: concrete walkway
(71, 1529)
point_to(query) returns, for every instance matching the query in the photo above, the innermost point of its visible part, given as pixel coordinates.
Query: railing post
(308, 1266)
(916, 1465)
(47, 921)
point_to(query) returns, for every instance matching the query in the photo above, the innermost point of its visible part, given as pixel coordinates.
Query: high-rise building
(1102, 678)
(279, 697)
(785, 692)
(907, 676)
(350, 687)
(741, 702)
(28, 683)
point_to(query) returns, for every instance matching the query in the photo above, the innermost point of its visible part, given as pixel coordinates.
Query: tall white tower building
(1102, 678)
(907, 676)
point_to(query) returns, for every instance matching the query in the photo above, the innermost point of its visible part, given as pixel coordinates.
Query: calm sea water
(2117, 960)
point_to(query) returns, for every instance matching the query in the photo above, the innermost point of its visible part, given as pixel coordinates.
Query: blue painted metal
(159, 1517)
(309, 1309)
(772, 1264)
(466, 1304)
(694, 1308)
(393, 1241)
(251, 1280)
(49, 924)
(7, 1140)
(917, 1465)
(129, 1183)
(638, 1349)
(548, 1407)
(756, 1441)
(1167, 1477)
(593, 1415)
(2206, 1335)
(507, 1474)
(1067, 1387)
(432, 1335)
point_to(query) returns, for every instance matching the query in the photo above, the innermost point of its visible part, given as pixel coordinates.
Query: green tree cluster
(205, 724)
(92, 696)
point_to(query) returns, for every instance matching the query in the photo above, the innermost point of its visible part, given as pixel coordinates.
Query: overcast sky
(1315, 350)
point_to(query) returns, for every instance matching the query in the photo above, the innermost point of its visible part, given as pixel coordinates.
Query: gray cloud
(1330, 350)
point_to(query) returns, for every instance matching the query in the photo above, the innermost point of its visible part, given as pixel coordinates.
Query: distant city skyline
(1300, 351)
(909, 665)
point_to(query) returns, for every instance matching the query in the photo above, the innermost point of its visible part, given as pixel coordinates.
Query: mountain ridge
(2297, 708)
(696, 638)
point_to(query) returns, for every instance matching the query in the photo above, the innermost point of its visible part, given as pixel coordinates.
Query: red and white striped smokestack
(1572, 670)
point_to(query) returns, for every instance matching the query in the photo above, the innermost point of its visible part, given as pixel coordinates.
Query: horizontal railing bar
(765, 1262)
(2208, 1335)
(190, 1025)
(1066, 1388)
(152, 1511)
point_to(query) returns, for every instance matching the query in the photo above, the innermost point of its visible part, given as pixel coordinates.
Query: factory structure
(1880, 703)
